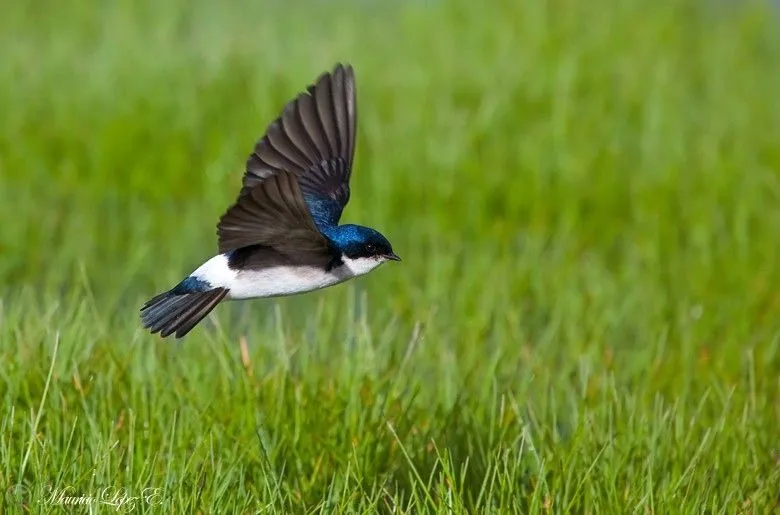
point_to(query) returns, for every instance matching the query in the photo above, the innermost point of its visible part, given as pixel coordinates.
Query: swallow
(282, 235)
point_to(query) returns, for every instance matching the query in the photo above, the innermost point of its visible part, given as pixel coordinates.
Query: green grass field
(586, 196)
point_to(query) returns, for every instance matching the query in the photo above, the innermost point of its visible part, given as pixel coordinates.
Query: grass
(586, 197)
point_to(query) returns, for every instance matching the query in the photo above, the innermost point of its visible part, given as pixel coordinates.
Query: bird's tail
(178, 310)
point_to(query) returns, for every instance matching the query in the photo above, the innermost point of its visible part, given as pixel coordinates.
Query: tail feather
(198, 311)
(178, 312)
(167, 310)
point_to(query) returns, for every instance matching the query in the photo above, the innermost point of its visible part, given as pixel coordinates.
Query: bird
(282, 236)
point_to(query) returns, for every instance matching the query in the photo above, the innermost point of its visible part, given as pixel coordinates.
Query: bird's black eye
(371, 248)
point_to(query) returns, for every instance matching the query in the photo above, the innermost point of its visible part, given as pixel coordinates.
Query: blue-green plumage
(358, 241)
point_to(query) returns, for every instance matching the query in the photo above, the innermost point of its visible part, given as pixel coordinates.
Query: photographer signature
(118, 498)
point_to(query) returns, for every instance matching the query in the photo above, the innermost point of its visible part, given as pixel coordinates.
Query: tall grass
(586, 197)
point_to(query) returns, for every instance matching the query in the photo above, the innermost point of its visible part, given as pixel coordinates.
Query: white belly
(280, 280)
(284, 280)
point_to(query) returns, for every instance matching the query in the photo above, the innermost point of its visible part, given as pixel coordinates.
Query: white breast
(279, 280)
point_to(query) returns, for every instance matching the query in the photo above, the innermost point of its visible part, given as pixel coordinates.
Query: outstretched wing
(314, 138)
(272, 214)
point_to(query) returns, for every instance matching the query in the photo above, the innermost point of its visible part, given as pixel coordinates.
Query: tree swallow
(282, 235)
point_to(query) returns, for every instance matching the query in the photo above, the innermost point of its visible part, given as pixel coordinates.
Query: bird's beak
(392, 256)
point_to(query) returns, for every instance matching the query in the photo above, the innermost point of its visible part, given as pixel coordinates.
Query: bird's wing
(272, 214)
(314, 138)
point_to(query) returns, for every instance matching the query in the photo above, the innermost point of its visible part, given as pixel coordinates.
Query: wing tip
(346, 68)
(341, 70)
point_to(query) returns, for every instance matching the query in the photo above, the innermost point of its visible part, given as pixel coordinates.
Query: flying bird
(282, 235)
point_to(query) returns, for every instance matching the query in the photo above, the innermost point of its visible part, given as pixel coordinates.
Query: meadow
(586, 198)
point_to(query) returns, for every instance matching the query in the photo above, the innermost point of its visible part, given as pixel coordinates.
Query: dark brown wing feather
(314, 138)
(273, 214)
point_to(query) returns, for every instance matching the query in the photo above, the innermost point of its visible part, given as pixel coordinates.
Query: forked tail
(178, 311)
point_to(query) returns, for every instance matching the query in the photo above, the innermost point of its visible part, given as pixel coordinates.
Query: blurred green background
(585, 196)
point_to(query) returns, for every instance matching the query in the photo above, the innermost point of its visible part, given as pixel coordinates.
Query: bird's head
(363, 248)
